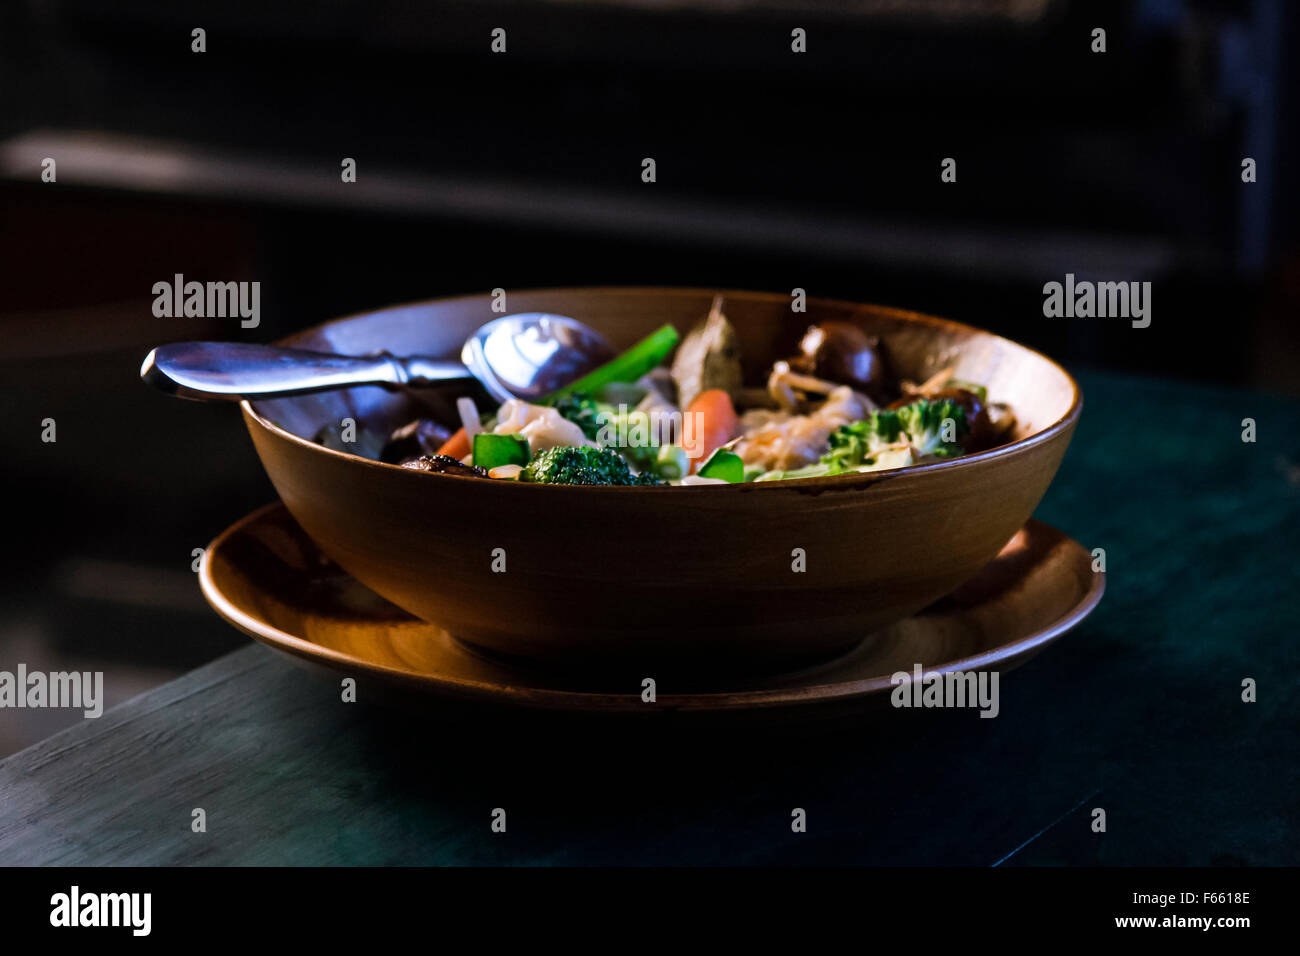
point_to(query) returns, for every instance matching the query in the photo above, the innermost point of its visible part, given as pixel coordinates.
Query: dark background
(475, 170)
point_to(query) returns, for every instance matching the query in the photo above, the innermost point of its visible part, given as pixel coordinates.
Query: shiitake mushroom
(443, 465)
(841, 352)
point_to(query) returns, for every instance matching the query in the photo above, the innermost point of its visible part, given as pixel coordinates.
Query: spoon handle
(232, 371)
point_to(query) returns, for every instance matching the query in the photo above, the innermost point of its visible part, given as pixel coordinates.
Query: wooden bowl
(267, 578)
(699, 579)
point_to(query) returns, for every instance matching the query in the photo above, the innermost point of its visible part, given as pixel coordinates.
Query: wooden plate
(270, 580)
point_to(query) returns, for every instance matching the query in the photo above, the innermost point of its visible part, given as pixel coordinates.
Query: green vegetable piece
(491, 451)
(672, 463)
(584, 411)
(855, 446)
(923, 422)
(852, 445)
(631, 433)
(627, 367)
(816, 470)
(724, 464)
(582, 466)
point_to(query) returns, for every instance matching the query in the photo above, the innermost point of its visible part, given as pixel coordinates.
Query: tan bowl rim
(838, 482)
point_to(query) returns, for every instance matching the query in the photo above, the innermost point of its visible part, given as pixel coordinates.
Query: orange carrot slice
(457, 446)
(710, 421)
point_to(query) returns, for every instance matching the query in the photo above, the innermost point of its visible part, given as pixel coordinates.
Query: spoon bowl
(532, 354)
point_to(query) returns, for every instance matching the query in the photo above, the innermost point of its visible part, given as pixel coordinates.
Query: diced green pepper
(491, 451)
(724, 464)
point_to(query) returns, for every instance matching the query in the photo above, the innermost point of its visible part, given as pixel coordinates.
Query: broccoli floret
(641, 457)
(866, 445)
(852, 445)
(582, 466)
(923, 421)
(584, 411)
(593, 416)
(635, 435)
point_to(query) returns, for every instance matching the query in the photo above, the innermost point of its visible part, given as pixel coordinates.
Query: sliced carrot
(710, 422)
(457, 446)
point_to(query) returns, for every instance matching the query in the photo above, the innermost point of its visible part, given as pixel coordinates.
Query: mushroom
(844, 354)
(443, 465)
(793, 389)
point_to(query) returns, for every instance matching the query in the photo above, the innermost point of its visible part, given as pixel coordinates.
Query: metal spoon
(526, 356)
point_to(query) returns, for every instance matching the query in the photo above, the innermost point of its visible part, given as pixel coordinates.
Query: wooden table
(1138, 712)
